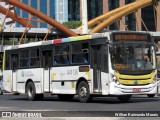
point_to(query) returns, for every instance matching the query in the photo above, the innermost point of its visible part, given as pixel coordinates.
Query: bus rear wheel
(124, 98)
(31, 91)
(84, 92)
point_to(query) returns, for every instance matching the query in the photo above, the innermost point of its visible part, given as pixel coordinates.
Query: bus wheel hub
(83, 92)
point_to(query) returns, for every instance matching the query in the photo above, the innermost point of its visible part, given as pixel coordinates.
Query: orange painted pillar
(80, 3)
(105, 6)
(138, 20)
(158, 17)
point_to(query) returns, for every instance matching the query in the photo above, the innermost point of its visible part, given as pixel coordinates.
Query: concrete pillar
(105, 6)
(80, 3)
(48, 10)
(38, 8)
(122, 21)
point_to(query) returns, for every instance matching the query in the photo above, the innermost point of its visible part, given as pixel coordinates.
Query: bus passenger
(65, 58)
(147, 64)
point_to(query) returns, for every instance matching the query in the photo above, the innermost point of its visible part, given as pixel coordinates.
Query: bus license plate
(136, 89)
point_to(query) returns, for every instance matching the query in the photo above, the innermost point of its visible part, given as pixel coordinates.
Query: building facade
(8, 21)
(64, 10)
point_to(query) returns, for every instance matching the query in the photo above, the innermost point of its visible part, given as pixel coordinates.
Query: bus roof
(57, 41)
(69, 39)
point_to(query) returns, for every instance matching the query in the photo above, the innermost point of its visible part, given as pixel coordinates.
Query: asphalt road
(99, 107)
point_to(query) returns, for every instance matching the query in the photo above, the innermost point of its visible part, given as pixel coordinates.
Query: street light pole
(84, 17)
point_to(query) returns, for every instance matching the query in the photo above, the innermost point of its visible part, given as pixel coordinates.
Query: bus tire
(65, 97)
(151, 95)
(31, 91)
(124, 98)
(84, 92)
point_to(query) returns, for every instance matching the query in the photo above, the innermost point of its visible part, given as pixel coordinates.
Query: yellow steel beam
(110, 13)
(125, 12)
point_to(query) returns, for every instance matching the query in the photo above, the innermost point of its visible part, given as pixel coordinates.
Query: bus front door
(14, 67)
(46, 63)
(96, 65)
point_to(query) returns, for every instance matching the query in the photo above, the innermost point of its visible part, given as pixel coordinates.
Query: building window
(43, 9)
(34, 5)
(148, 18)
(24, 13)
(112, 5)
(52, 9)
(130, 20)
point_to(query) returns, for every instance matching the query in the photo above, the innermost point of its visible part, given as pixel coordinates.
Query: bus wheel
(124, 98)
(84, 92)
(31, 91)
(151, 95)
(65, 97)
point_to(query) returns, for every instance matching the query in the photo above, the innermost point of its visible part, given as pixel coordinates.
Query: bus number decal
(26, 74)
(72, 72)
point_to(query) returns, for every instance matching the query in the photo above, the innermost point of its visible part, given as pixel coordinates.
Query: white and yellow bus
(113, 63)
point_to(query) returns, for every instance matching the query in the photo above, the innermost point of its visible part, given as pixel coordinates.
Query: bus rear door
(46, 63)
(14, 67)
(96, 64)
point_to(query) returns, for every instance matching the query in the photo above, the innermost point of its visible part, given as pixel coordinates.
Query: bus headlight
(115, 79)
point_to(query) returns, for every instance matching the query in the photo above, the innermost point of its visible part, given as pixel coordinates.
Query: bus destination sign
(131, 37)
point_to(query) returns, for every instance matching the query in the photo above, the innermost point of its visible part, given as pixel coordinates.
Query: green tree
(72, 24)
(155, 3)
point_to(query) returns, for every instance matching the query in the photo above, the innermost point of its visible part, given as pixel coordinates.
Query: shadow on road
(100, 100)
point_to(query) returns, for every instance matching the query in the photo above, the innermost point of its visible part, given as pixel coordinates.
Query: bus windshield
(132, 56)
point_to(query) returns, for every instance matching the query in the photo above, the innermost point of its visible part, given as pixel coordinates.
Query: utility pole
(84, 17)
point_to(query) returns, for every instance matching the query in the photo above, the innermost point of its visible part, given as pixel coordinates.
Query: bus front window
(132, 56)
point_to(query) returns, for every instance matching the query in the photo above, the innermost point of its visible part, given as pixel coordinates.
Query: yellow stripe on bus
(132, 79)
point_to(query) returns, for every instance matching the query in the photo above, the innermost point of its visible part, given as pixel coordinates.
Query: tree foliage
(155, 3)
(72, 24)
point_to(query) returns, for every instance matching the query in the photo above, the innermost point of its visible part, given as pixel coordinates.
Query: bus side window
(24, 59)
(1, 59)
(34, 58)
(7, 60)
(61, 56)
(46, 58)
(14, 58)
(80, 53)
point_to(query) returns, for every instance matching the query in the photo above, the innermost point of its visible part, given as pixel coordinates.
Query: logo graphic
(6, 114)
(135, 82)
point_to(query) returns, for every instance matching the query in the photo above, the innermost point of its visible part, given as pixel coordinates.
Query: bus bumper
(116, 89)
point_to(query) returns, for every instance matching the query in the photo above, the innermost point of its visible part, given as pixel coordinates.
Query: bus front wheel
(84, 92)
(31, 91)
